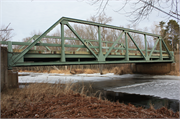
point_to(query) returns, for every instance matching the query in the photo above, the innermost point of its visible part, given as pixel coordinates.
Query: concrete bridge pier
(9, 78)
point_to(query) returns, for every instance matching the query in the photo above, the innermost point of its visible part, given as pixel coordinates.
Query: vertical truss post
(62, 43)
(127, 50)
(100, 55)
(145, 40)
(99, 38)
(160, 46)
(10, 50)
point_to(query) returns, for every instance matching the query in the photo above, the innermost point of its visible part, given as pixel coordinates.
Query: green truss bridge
(88, 51)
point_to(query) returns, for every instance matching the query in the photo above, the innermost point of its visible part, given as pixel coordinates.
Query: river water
(137, 89)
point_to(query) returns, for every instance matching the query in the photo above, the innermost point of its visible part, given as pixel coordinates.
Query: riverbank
(59, 101)
(115, 70)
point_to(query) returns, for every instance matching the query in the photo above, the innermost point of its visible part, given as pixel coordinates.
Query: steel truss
(94, 55)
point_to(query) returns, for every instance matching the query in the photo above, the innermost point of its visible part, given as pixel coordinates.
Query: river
(137, 89)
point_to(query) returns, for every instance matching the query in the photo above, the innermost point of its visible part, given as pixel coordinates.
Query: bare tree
(142, 8)
(6, 33)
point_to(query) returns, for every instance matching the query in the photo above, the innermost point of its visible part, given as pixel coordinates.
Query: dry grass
(35, 93)
(59, 101)
(45, 71)
(60, 71)
(111, 68)
(86, 71)
(121, 70)
(90, 71)
(115, 70)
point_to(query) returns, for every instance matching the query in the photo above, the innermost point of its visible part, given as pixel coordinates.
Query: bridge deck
(83, 53)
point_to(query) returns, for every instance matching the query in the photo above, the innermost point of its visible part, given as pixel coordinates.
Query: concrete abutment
(158, 68)
(9, 78)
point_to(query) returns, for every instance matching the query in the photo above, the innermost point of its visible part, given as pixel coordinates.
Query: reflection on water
(142, 100)
(141, 91)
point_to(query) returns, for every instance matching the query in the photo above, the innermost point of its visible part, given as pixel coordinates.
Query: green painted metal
(101, 57)
(145, 40)
(86, 62)
(81, 40)
(28, 41)
(167, 49)
(153, 49)
(76, 57)
(33, 38)
(39, 38)
(73, 46)
(46, 46)
(107, 26)
(33, 55)
(106, 46)
(160, 47)
(120, 36)
(127, 50)
(69, 38)
(136, 45)
(92, 45)
(62, 43)
(10, 51)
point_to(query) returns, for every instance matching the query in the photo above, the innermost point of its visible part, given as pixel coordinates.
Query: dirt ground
(47, 101)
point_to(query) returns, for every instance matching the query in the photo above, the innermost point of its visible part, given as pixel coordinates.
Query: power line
(159, 9)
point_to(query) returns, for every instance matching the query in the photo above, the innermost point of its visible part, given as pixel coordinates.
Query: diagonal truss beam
(38, 39)
(120, 46)
(136, 45)
(166, 48)
(18, 57)
(120, 36)
(28, 41)
(32, 38)
(92, 45)
(69, 26)
(153, 48)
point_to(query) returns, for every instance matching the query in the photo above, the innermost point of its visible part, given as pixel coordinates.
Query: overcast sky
(27, 16)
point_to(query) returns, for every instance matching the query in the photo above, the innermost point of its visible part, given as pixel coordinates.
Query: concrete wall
(158, 68)
(3, 66)
(9, 78)
(153, 68)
